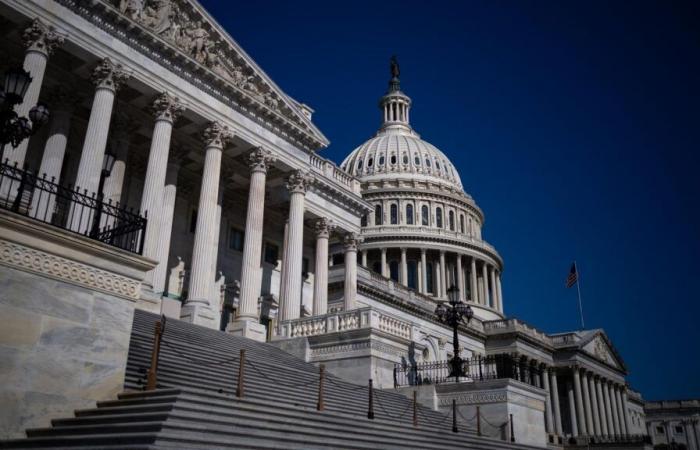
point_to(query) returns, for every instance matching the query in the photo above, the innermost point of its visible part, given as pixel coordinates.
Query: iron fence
(477, 368)
(39, 198)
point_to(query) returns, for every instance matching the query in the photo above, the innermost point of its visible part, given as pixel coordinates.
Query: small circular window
(369, 162)
(393, 159)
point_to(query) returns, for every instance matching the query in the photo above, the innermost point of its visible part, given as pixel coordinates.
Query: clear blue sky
(574, 125)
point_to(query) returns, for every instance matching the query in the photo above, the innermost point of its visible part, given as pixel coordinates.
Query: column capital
(423, 251)
(260, 159)
(217, 134)
(109, 75)
(323, 227)
(403, 249)
(42, 38)
(167, 107)
(298, 182)
(350, 242)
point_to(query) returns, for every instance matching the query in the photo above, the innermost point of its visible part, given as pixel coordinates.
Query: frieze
(472, 398)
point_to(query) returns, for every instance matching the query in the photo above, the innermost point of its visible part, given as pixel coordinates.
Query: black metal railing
(42, 199)
(477, 368)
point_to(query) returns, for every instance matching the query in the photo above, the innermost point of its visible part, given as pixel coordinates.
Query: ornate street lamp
(13, 128)
(453, 316)
(107, 166)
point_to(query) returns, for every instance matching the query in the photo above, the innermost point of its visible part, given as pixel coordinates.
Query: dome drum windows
(461, 223)
(452, 220)
(425, 215)
(438, 217)
(378, 220)
(394, 214)
(409, 214)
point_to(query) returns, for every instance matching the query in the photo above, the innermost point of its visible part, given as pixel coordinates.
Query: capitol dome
(424, 232)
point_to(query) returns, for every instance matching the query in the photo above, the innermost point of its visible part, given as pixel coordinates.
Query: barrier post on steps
(321, 376)
(415, 409)
(512, 433)
(241, 366)
(454, 415)
(370, 406)
(478, 421)
(152, 377)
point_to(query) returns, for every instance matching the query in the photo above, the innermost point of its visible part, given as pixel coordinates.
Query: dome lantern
(395, 105)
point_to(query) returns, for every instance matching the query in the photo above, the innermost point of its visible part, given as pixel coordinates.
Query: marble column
(247, 322)
(322, 228)
(283, 269)
(290, 304)
(166, 225)
(385, 267)
(547, 401)
(601, 406)
(424, 271)
(594, 405)
(350, 285)
(107, 77)
(613, 408)
(62, 105)
(363, 256)
(197, 308)
(608, 408)
(582, 431)
(494, 293)
(575, 422)
(166, 110)
(474, 286)
(120, 140)
(620, 412)
(443, 275)
(625, 410)
(587, 404)
(40, 41)
(404, 267)
(555, 403)
(486, 300)
(460, 278)
(499, 291)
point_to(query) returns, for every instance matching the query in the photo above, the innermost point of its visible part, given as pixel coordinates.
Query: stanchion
(415, 409)
(478, 421)
(370, 406)
(241, 365)
(512, 433)
(321, 376)
(152, 379)
(454, 415)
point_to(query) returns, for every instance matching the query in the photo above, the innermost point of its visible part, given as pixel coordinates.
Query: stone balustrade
(515, 325)
(356, 319)
(330, 171)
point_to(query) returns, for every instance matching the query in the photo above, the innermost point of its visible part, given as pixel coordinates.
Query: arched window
(461, 223)
(393, 159)
(363, 220)
(429, 277)
(370, 162)
(381, 160)
(394, 270)
(394, 213)
(417, 160)
(359, 164)
(409, 214)
(378, 215)
(438, 217)
(412, 275)
(452, 220)
(425, 215)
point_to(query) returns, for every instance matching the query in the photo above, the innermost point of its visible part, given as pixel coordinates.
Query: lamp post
(13, 128)
(107, 165)
(453, 316)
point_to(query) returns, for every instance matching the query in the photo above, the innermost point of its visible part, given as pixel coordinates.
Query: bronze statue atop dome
(394, 66)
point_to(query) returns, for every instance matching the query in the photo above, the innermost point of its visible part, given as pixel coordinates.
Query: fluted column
(575, 422)
(166, 225)
(385, 267)
(594, 405)
(424, 270)
(404, 267)
(120, 140)
(474, 286)
(555, 403)
(350, 285)
(494, 293)
(283, 269)
(547, 401)
(290, 304)
(40, 41)
(197, 308)
(625, 410)
(460, 278)
(608, 408)
(322, 229)
(443, 275)
(620, 412)
(363, 257)
(107, 77)
(166, 110)
(498, 290)
(587, 404)
(485, 283)
(613, 408)
(601, 406)
(582, 431)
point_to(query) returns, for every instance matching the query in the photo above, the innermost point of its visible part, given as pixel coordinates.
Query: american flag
(573, 276)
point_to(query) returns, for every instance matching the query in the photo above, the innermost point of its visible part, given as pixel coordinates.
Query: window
(405, 158)
(370, 162)
(235, 239)
(363, 220)
(193, 221)
(437, 165)
(660, 430)
(461, 223)
(381, 160)
(429, 277)
(409, 214)
(427, 162)
(452, 220)
(378, 215)
(359, 164)
(438, 217)
(417, 160)
(394, 270)
(271, 253)
(393, 159)
(394, 214)
(425, 215)
(678, 429)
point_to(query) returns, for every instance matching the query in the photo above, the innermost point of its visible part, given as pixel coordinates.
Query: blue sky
(574, 125)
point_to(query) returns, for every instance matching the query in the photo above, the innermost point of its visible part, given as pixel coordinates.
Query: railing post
(152, 378)
(395, 380)
(478, 421)
(512, 433)
(370, 406)
(415, 409)
(454, 415)
(20, 189)
(241, 365)
(321, 376)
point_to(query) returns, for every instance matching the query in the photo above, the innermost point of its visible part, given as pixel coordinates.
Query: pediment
(600, 348)
(188, 28)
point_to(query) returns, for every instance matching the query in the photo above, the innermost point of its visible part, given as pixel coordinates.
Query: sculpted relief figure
(158, 15)
(132, 8)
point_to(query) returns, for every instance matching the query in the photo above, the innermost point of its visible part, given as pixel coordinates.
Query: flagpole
(578, 289)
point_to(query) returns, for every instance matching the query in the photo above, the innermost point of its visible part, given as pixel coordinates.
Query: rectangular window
(235, 239)
(659, 430)
(271, 253)
(679, 429)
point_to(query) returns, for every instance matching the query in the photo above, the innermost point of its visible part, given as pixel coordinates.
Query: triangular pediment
(187, 27)
(600, 347)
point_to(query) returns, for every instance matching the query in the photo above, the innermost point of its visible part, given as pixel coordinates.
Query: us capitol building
(174, 177)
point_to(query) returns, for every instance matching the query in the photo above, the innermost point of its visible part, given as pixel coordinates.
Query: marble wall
(62, 347)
